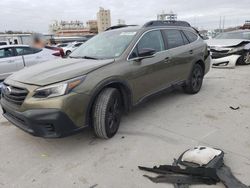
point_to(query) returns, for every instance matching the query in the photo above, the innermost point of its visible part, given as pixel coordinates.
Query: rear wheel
(195, 81)
(107, 112)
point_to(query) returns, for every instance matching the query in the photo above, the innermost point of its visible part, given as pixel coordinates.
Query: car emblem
(8, 90)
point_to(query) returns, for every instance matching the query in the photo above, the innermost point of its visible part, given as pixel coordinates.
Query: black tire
(107, 112)
(195, 80)
(68, 52)
(244, 59)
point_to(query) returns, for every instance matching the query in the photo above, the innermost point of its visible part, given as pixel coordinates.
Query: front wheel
(244, 59)
(195, 80)
(107, 112)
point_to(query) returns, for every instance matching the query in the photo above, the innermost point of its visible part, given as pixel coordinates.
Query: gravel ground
(153, 133)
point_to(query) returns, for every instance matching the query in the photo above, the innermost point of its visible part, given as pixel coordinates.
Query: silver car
(16, 57)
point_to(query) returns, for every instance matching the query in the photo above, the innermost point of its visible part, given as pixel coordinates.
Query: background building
(167, 16)
(121, 22)
(69, 28)
(92, 26)
(103, 19)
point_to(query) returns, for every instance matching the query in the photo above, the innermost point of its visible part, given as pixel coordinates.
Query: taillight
(58, 54)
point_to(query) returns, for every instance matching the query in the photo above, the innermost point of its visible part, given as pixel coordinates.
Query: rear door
(9, 63)
(181, 53)
(30, 55)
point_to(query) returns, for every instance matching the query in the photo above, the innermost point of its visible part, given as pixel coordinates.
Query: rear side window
(174, 38)
(27, 50)
(6, 52)
(191, 36)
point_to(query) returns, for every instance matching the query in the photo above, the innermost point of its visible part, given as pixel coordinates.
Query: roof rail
(118, 26)
(166, 23)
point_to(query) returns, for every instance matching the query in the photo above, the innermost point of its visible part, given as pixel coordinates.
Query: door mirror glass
(146, 52)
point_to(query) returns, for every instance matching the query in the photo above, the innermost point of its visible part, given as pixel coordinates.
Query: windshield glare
(237, 35)
(107, 45)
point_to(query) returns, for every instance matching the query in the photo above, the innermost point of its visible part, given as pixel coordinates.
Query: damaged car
(230, 49)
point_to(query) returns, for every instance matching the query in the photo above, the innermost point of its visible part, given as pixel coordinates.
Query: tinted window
(153, 40)
(191, 36)
(6, 52)
(174, 38)
(3, 43)
(79, 44)
(27, 50)
(186, 41)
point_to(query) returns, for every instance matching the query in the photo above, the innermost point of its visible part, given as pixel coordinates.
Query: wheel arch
(201, 63)
(122, 86)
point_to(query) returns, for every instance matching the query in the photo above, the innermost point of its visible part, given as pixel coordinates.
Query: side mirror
(146, 53)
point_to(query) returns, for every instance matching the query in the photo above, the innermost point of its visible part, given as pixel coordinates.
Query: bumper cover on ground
(48, 123)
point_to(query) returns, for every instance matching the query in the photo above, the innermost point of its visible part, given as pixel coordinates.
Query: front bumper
(225, 62)
(48, 123)
(50, 118)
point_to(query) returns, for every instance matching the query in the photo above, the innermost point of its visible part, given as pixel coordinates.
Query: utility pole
(220, 25)
(223, 23)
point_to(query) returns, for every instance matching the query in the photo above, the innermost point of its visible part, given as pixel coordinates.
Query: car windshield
(107, 45)
(235, 35)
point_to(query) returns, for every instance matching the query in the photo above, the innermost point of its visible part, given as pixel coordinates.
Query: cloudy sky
(36, 15)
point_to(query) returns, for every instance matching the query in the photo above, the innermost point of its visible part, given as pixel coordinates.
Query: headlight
(58, 89)
(236, 49)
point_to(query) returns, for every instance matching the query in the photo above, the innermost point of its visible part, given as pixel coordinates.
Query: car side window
(78, 44)
(152, 39)
(6, 52)
(27, 50)
(186, 41)
(191, 36)
(174, 38)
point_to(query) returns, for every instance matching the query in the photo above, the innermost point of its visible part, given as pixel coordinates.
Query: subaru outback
(104, 78)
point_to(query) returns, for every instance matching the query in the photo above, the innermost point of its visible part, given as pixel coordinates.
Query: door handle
(191, 51)
(167, 59)
(10, 61)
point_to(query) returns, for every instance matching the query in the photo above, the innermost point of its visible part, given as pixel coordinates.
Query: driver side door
(149, 74)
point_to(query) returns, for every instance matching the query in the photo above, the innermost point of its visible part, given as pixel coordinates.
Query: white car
(16, 57)
(71, 47)
(230, 48)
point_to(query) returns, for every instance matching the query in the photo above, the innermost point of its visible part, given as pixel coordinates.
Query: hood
(224, 42)
(57, 70)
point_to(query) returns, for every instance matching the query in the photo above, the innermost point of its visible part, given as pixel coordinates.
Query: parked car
(16, 57)
(3, 43)
(230, 48)
(109, 74)
(58, 50)
(71, 47)
(62, 45)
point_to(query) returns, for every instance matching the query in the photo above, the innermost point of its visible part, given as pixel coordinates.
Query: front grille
(14, 95)
(219, 51)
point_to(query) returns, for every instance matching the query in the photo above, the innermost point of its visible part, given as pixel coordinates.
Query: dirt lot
(153, 133)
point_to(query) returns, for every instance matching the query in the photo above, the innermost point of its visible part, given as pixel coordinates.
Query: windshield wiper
(83, 57)
(88, 57)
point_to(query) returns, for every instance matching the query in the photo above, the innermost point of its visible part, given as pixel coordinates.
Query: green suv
(105, 77)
